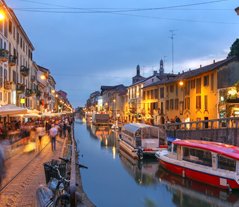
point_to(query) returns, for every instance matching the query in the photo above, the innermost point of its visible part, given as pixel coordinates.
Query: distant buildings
(22, 81)
(209, 92)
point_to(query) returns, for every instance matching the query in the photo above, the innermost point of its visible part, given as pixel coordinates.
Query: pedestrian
(2, 165)
(177, 121)
(40, 133)
(53, 134)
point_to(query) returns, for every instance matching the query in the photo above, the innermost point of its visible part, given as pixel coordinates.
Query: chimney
(138, 70)
(200, 66)
(214, 61)
(155, 72)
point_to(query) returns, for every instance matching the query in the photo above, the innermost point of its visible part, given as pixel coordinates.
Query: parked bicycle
(55, 194)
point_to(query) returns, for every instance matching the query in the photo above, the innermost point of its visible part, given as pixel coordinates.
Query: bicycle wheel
(63, 201)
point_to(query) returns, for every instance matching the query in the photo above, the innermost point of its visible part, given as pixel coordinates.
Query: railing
(12, 61)
(73, 170)
(232, 122)
(24, 70)
(4, 55)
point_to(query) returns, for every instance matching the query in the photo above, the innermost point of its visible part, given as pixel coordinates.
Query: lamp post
(137, 96)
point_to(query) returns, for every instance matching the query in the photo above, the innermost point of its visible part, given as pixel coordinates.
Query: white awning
(11, 109)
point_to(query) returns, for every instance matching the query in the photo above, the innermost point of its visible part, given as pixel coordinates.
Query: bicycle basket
(50, 173)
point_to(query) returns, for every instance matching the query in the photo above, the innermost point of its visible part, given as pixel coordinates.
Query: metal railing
(73, 170)
(232, 122)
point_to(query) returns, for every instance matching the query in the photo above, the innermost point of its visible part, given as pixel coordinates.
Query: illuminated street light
(114, 100)
(43, 77)
(53, 91)
(2, 15)
(181, 83)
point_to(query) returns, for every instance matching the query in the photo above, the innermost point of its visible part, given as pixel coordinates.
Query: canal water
(115, 180)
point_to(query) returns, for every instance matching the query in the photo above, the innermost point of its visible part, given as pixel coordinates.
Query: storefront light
(222, 98)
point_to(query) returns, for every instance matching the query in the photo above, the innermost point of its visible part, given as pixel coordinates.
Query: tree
(234, 49)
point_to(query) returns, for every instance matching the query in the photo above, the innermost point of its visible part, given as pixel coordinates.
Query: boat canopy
(134, 127)
(219, 148)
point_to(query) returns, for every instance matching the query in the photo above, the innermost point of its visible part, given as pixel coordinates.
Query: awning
(11, 109)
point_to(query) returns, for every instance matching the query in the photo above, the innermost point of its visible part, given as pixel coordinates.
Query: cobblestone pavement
(21, 191)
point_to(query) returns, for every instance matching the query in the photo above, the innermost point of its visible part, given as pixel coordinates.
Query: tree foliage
(234, 49)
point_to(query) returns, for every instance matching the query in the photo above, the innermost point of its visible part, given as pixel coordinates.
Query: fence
(224, 130)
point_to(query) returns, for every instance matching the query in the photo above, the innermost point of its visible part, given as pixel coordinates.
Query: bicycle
(55, 194)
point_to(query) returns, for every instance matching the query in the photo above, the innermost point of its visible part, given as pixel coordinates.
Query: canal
(115, 180)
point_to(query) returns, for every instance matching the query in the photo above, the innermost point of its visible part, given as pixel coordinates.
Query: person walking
(53, 134)
(40, 133)
(2, 164)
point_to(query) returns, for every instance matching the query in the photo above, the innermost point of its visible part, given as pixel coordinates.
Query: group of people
(53, 127)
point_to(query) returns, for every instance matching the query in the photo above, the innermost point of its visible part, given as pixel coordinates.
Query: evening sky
(91, 43)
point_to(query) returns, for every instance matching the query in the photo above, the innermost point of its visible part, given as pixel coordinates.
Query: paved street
(21, 191)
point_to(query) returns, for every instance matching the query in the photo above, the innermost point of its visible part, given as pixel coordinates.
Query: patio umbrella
(11, 109)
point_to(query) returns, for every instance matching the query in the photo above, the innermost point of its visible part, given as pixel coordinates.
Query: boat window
(128, 133)
(197, 156)
(226, 163)
(138, 133)
(150, 133)
(175, 148)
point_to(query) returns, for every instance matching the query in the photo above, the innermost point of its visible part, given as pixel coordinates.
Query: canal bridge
(225, 130)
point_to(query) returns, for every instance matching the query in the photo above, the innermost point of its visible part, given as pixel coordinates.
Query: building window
(17, 38)
(10, 26)
(156, 93)
(198, 85)
(187, 103)
(198, 102)
(167, 105)
(0, 96)
(205, 103)
(171, 88)
(144, 95)
(212, 82)
(161, 92)
(187, 88)
(176, 89)
(192, 83)
(14, 76)
(1, 77)
(5, 28)
(206, 80)
(176, 104)
(5, 75)
(171, 104)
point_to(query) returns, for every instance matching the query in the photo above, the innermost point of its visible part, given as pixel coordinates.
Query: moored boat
(139, 140)
(213, 163)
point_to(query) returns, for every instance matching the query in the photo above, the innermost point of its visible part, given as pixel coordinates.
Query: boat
(140, 140)
(213, 163)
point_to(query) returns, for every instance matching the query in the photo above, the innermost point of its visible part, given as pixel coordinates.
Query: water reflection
(190, 193)
(152, 185)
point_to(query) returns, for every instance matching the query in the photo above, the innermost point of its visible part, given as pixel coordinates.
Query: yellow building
(191, 95)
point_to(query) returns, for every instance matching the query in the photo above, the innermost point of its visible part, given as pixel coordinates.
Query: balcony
(3, 55)
(24, 71)
(20, 88)
(7, 85)
(33, 78)
(12, 61)
(28, 92)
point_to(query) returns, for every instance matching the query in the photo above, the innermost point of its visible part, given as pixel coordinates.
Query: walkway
(20, 192)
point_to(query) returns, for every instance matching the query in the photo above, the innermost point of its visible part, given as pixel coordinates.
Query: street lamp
(237, 10)
(181, 83)
(2, 15)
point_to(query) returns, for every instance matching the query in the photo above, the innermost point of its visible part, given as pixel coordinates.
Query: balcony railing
(24, 71)
(28, 92)
(12, 61)
(33, 78)
(4, 55)
(20, 88)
